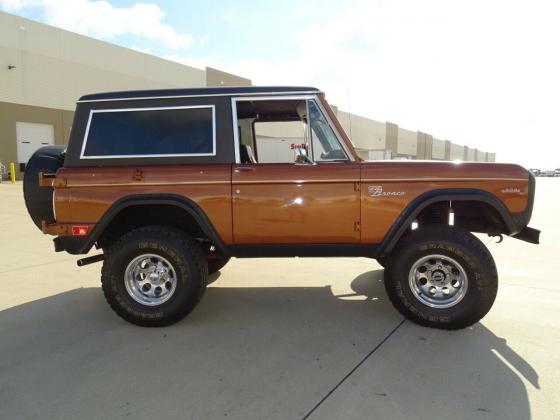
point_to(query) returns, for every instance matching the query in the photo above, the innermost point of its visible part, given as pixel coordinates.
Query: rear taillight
(80, 230)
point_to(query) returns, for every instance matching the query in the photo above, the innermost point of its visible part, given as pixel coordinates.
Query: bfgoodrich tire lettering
(460, 247)
(183, 254)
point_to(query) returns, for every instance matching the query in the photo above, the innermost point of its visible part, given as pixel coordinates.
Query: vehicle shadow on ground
(243, 353)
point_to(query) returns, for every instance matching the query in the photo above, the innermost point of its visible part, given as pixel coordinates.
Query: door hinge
(357, 226)
(138, 175)
(356, 186)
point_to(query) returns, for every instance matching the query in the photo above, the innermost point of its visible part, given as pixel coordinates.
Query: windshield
(326, 146)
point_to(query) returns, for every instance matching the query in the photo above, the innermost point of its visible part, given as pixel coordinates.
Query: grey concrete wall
(391, 137)
(456, 151)
(11, 113)
(365, 133)
(54, 67)
(438, 149)
(424, 146)
(407, 145)
(470, 155)
(447, 150)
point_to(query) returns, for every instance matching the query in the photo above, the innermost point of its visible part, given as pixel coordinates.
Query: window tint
(326, 146)
(139, 132)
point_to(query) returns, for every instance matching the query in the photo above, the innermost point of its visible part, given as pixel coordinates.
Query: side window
(326, 146)
(273, 131)
(285, 131)
(146, 132)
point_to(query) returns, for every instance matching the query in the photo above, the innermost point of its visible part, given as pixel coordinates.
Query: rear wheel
(154, 276)
(442, 277)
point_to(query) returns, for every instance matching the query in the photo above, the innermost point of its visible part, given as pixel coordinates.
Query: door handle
(244, 169)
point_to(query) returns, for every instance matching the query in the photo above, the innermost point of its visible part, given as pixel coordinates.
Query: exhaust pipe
(90, 260)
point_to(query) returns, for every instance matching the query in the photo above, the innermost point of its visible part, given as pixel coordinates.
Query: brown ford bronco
(170, 184)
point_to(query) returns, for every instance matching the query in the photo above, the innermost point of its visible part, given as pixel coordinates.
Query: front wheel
(154, 276)
(442, 277)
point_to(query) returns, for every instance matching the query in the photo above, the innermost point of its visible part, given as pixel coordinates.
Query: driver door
(294, 199)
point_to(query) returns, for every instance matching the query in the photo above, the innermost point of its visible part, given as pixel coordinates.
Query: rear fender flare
(156, 199)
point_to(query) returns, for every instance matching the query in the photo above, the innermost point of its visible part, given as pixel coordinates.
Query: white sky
(481, 73)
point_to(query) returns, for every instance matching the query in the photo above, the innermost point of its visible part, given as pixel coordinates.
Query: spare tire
(38, 200)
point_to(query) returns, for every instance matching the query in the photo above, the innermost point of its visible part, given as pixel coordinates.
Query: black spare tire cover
(38, 200)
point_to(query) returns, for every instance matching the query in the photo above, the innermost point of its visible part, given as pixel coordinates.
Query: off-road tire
(216, 264)
(459, 245)
(39, 200)
(184, 254)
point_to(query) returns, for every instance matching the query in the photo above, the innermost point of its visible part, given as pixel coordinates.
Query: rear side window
(151, 132)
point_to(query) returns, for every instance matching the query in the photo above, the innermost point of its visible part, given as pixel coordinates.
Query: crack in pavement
(13, 270)
(354, 369)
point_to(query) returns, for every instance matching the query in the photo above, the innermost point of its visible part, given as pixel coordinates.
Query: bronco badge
(377, 191)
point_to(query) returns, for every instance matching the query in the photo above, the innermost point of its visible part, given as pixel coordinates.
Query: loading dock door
(30, 137)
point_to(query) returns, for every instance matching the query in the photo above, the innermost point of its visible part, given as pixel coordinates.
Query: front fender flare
(414, 208)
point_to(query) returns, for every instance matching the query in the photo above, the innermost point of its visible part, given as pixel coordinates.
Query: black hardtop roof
(207, 91)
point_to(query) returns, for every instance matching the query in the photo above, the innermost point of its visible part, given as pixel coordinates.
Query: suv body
(188, 160)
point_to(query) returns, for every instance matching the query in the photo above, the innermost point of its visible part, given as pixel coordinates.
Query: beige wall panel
(438, 149)
(55, 67)
(407, 142)
(470, 155)
(364, 133)
(457, 152)
(215, 77)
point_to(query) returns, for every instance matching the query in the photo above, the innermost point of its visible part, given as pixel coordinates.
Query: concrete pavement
(275, 338)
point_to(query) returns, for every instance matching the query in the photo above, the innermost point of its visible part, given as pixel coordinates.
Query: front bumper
(528, 234)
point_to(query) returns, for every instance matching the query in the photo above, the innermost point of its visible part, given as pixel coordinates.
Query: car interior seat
(247, 155)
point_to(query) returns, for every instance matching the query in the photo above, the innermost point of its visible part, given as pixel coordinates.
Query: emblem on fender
(377, 191)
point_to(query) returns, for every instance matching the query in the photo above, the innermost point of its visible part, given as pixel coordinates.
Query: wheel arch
(432, 198)
(176, 204)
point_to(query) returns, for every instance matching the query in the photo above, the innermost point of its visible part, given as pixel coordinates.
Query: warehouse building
(44, 70)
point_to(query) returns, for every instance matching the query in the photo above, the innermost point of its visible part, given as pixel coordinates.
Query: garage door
(30, 137)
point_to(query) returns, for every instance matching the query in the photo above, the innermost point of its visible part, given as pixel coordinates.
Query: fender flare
(83, 246)
(413, 209)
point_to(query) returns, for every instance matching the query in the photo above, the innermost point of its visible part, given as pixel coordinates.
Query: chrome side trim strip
(443, 179)
(145, 184)
(298, 181)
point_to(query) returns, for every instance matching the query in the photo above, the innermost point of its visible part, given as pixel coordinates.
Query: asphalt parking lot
(276, 338)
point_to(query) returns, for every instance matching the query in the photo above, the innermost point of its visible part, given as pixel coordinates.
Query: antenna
(349, 114)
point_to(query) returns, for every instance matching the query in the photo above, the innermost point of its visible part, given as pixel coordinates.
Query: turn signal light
(80, 230)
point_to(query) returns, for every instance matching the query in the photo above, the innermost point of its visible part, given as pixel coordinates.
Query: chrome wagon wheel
(438, 281)
(150, 279)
